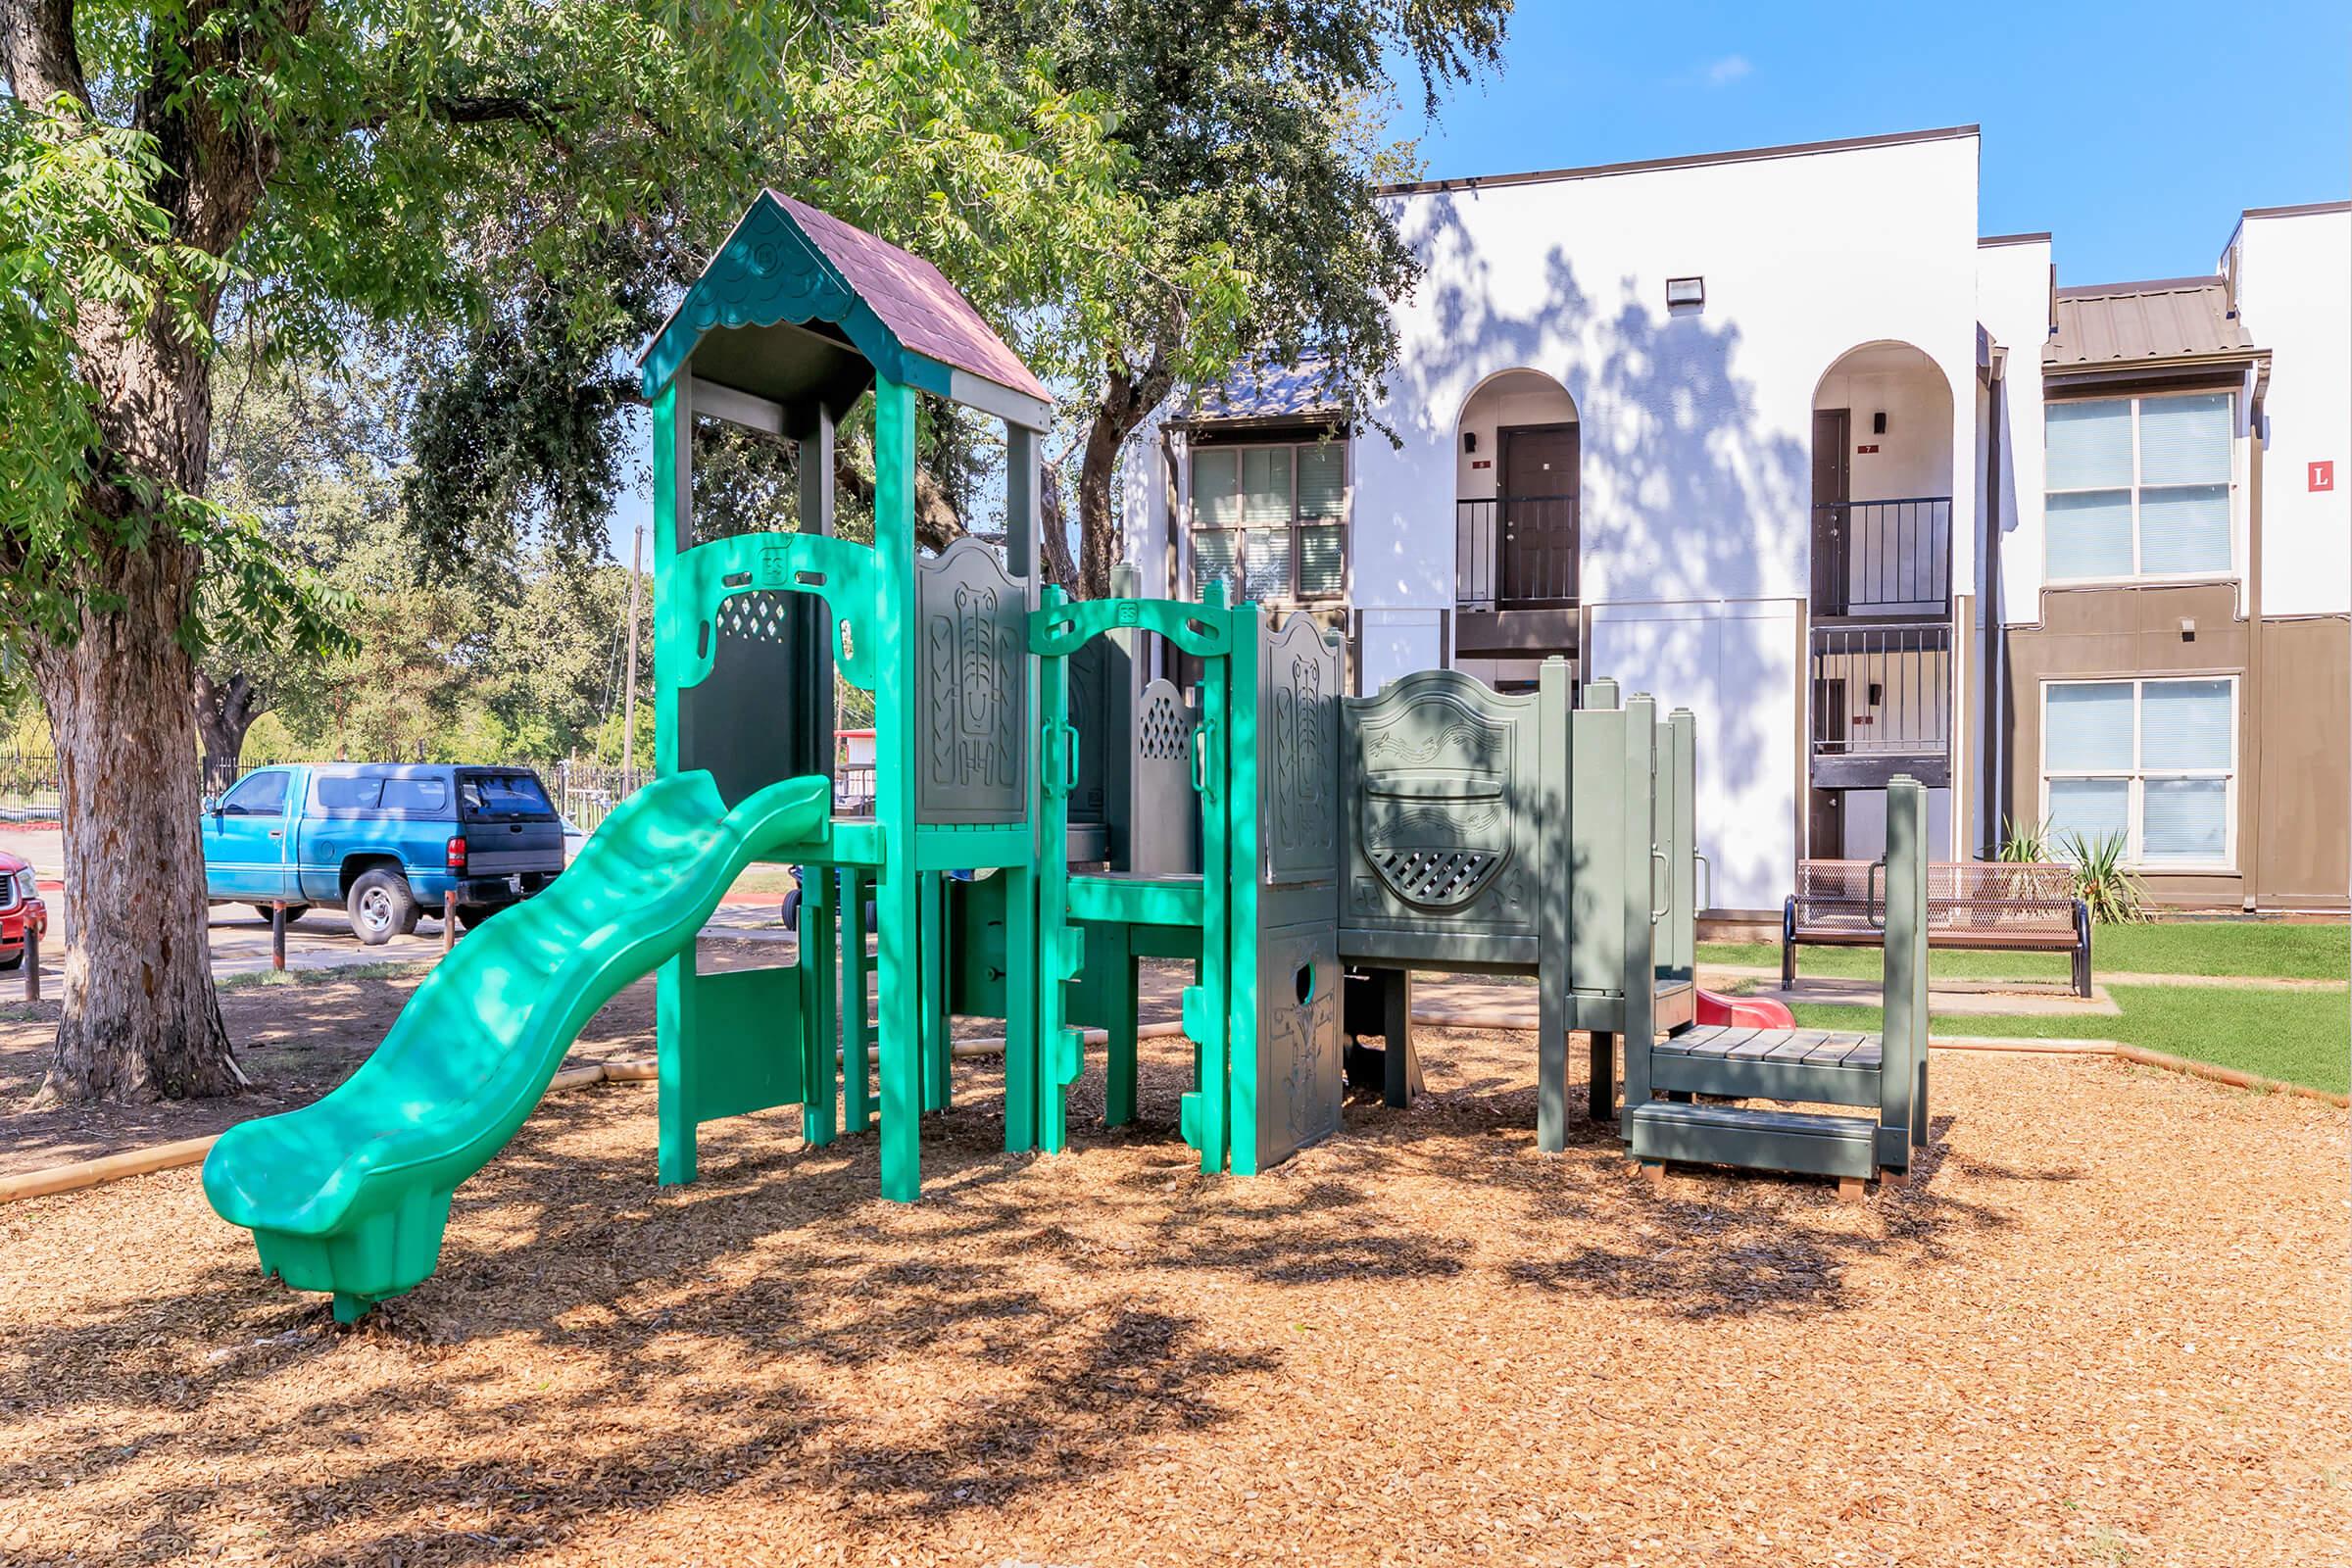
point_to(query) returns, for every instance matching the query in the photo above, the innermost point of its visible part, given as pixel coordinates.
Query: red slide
(1749, 1012)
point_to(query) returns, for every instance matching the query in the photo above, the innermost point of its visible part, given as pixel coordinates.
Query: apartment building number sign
(2322, 476)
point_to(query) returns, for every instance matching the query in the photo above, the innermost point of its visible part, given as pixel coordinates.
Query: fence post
(449, 919)
(277, 934)
(32, 961)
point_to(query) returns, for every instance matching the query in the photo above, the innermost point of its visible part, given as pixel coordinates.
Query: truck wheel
(471, 915)
(294, 912)
(380, 905)
(792, 908)
(12, 965)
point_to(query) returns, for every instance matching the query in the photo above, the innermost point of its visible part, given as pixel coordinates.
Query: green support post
(897, 894)
(1643, 906)
(1552, 912)
(1209, 1005)
(820, 982)
(938, 1035)
(857, 1110)
(1124, 1024)
(1059, 942)
(1903, 1035)
(674, 1160)
(1023, 1000)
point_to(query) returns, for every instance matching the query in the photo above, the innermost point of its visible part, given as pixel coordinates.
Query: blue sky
(2136, 133)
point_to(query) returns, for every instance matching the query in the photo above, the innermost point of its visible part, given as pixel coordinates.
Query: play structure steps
(1763, 1140)
(1884, 1073)
(351, 1192)
(1814, 1066)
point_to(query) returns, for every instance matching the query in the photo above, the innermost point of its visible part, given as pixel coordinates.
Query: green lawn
(2300, 1037)
(2264, 949)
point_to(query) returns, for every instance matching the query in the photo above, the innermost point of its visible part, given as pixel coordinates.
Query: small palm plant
(2114, 895)
(2022, 845)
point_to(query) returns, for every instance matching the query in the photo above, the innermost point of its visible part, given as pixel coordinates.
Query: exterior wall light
(1686, 292)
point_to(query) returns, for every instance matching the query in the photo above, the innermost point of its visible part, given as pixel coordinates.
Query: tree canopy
(304, 172)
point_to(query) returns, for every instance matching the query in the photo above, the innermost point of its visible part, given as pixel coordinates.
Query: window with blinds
(2153, 762)
(1271, 520)
(2138, 487)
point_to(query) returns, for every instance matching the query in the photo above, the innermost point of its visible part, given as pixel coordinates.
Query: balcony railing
(1515, 553)
(1883, 558)
(1881, 691)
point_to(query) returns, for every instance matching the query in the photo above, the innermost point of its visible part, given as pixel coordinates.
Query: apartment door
(1825, 815)
(1538, 502)
(1833, 488)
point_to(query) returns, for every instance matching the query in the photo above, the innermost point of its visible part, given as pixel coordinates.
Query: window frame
(2136, 776)
(1295, 528)
(2231, 572)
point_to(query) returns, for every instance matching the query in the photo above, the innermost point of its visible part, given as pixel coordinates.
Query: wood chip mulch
(2108, 1326)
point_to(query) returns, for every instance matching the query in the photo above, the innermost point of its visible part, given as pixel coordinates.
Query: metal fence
(1874, 558)
(1515, 553)
(29, 786)
(1882, 690)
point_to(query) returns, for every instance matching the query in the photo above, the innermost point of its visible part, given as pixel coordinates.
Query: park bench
(1992, 906)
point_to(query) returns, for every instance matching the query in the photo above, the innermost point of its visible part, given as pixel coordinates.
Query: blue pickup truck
(386, 841)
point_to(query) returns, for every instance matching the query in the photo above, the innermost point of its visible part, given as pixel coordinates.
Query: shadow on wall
(1688, 501)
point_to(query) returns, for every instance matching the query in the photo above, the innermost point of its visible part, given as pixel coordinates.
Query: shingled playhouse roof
(789, 262)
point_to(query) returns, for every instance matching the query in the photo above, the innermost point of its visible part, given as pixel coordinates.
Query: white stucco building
(1792, 476)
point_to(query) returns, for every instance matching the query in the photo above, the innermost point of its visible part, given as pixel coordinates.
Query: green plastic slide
(350, 1193)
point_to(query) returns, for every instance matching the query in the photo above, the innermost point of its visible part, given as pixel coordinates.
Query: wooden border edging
(106, 1168)
(640, 1070)
(2227, 1075)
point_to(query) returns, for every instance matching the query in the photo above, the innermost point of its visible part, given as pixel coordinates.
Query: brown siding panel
(2305, 728)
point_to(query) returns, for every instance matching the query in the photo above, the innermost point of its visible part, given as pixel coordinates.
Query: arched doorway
(1882, 484)
(1518, 451)
(1880, 659)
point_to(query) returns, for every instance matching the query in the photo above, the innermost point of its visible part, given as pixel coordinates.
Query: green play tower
(796, 318)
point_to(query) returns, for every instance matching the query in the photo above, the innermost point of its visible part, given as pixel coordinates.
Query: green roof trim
(788, 262)
(770, 272)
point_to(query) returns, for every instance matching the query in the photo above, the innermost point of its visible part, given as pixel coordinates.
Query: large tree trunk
(1128, 400)
(140, 1020)
(1054, 525)
(224, 711)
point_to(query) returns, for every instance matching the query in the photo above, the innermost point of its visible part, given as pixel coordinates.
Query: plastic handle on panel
(1659, 863)
(1706, 899)
(1874, 908)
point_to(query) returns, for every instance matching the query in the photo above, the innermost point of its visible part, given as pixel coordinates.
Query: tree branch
(483, 109)
(937, 524)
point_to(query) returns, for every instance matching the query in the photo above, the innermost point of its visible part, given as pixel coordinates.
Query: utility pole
(628, 700)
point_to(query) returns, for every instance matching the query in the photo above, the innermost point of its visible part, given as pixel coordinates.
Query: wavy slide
(350, 1193)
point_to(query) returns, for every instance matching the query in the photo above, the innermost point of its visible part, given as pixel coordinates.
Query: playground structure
(1031, 840)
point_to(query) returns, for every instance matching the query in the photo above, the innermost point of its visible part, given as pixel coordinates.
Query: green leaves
(81, 242)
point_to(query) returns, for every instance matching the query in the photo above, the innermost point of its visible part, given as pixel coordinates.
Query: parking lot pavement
(323, 939)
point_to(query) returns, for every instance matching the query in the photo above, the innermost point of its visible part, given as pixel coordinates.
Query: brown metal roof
(921, 309)
(2157, 321)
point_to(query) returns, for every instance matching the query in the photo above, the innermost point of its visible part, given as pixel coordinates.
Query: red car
(19, 902)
